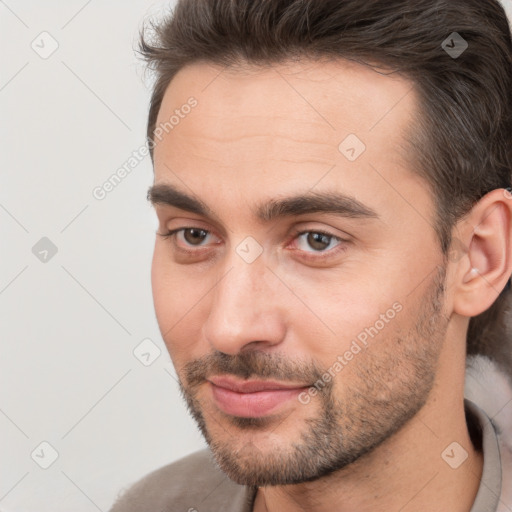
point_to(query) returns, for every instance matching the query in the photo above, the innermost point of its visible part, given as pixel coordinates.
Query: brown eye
(188, 237)
(318, 241)
(194, 236)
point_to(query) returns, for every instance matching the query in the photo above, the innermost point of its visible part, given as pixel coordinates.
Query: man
(330, 184)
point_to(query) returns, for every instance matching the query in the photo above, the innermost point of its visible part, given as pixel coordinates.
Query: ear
(482, 273)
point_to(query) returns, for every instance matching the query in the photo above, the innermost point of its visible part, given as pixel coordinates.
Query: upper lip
(251, 386)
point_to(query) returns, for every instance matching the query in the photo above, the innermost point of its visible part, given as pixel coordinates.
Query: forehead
(319, 102)
(267, 127)
(336, 94)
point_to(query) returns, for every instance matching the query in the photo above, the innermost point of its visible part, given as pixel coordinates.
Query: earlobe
(486, 268)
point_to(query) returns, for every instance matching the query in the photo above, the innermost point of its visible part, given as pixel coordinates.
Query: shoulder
(193, 483)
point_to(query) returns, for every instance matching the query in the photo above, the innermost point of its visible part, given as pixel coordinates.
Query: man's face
(257, 309)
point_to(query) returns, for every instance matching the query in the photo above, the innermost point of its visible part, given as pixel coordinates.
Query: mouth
(252, 398)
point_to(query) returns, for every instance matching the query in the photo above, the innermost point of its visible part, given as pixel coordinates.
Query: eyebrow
(310, 202)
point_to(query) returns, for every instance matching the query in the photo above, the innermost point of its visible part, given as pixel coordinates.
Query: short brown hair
(462, 142)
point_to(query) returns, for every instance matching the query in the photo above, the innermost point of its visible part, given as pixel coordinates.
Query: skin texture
(372, 438)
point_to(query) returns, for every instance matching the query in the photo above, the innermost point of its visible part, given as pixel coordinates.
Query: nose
(245, 309)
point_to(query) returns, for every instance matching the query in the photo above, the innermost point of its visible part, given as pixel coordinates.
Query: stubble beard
(387, 387)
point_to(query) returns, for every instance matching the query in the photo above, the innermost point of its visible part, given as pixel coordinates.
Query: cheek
(179, 304)
(344, 315)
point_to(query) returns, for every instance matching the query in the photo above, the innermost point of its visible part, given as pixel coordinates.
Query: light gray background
(69, 325)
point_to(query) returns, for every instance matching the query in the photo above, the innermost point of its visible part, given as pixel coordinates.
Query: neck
(407, 472)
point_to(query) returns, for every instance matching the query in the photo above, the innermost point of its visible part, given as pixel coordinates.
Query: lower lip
(252, 405)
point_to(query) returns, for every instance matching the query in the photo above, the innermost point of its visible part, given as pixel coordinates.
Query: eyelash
(319, 254)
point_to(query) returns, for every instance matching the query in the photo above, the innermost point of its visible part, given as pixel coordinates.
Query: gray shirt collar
(489, 492)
